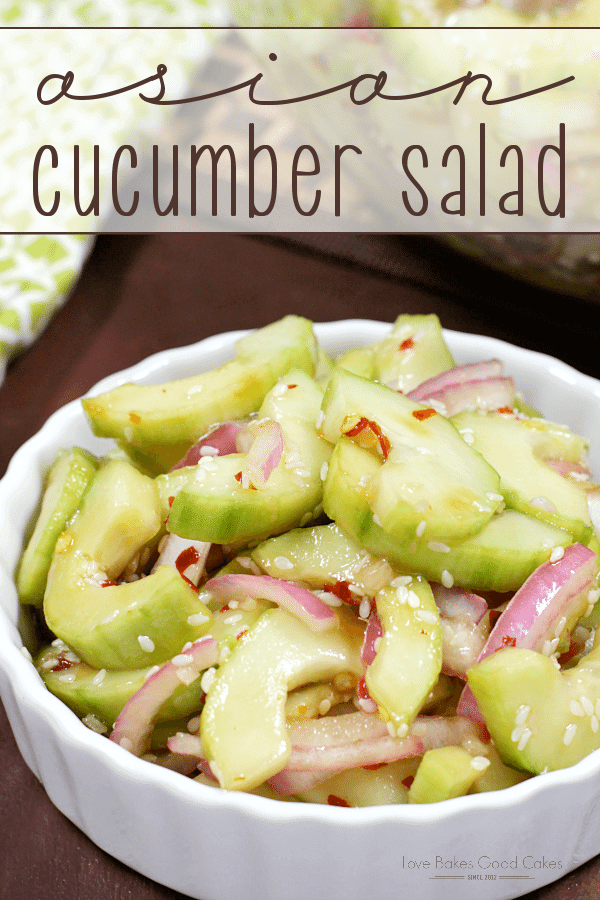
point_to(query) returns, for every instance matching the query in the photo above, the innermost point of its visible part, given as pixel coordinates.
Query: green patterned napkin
(38, 271)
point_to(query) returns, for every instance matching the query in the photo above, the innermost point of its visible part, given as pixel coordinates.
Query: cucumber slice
(124, 626)
(432, 482)
(68, 479)
(517, 449)
(317, 556)
(499, 558)
(181, 411)
(242, 725)
(409, 659)
(444, 773)
(539, 717)
(104, 694)
(211, 504)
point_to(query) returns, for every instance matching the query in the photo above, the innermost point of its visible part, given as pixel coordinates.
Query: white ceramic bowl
(214, 845)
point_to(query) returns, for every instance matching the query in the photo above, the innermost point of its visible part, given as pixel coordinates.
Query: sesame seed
(376, 520)
(186, 674)
(402, 730)
(126, 744)
(494, 497)
(479, 763)
(367, 705)
(50, 663)
(151, 671)
(207, 679)
(320, 419)
(364, 610)
(224, 652)
(302, 472)
(523, 739)
(233, 620)
(182, 659)
(516, 733)
(146, 643)
(594, 724)
(94, 724)
(447, 579)
(569, 734)
(560, 626)
(324, 470)
(248, 604)
(413, 600)
(438, 547)
(26, 653)
(468, 437)
(588, 706)
(391, 729)
(67, 677)
(576, 708)
(279, 390)
(58, 643)
(377, 644)
(401, 580)
(421, 528)
(402, 593)
(426, 616)
(99, 677)
(207, 450)
(324, 706)
(557, 553)
(329, 598)
(522, 713)
(193, 725)
(282, 562)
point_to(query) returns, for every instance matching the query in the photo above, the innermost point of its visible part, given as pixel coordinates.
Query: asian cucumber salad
(357, 581)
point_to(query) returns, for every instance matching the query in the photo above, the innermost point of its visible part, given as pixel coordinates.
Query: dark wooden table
(141, 294)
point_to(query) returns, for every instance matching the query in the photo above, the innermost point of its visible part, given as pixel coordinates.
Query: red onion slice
(447, 731)
(463, 637)
(453, 377)
(297, 600)
(490, 394)
(176, 552)
(373, 632)
(134, 723)
(218, 442)
(350, 756)
(570, 469)
(287, 782)
(264, 455)
(335, 731)
(538, 612)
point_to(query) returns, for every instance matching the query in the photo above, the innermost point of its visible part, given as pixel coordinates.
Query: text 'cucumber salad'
(356, 581)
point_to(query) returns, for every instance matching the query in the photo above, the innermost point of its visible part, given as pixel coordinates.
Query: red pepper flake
(374, 766)
(408, 344)
(421, 414)
(504, 409)
(509, 641)
(170, 501)
(362, 690)
(337, 801)
(238, 478)
(62, 663)
(241, 633)
(364, 424)
(186, 558)
(408, 780)
(342, 590)
(290, 386)
(494, 616)
(108, 583)
(133, 417)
